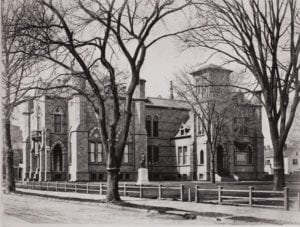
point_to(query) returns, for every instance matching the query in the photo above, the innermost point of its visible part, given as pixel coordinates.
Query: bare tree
(103, 35)
(263, 37)
(213, 100)
(17, 75)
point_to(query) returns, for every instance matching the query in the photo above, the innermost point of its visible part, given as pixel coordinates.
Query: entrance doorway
(57, 162)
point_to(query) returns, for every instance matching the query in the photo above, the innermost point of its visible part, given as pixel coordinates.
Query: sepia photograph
(150, 112)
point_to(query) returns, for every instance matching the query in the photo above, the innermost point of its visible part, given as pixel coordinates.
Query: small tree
(103, 34)
(263, 37)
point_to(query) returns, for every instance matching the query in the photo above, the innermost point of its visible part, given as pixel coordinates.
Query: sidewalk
(250, 214)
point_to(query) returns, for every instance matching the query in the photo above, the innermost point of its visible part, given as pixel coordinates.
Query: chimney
(140, 92)
(171, 90)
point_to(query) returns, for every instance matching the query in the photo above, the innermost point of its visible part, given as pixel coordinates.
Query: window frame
(153, 155)
(58, 114)
(155, 126)
(201, 157)
(149, 125)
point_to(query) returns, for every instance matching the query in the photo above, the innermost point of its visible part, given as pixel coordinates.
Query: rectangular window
(153, 155)
(148, 126)
(180, 155)
(200, 126)
(126, 154)
(155, 128)
(149, 152)
(93, 176)
(99, 153)
(295, 162)
(185, 156)
(57, 123)
(92, 152)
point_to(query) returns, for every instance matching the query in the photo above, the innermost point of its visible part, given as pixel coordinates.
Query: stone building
(62, 141)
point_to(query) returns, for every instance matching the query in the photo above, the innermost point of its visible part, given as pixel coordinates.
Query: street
(21, 210)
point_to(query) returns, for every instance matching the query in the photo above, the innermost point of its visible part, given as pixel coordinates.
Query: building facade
(291, 159)
(62, 141)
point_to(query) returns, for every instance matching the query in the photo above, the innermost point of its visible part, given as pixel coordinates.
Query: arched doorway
(57, 161)
(220, 158)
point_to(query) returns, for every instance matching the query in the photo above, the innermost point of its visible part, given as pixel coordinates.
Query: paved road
(21, 210)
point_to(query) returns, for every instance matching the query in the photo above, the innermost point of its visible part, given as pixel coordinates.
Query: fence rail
(143, 191)
(250, 196)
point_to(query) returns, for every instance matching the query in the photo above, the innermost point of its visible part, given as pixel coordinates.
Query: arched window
(249, 155)
(58, 114)
(148, 126)
(201, 157)
(155, 126)
(96, 153)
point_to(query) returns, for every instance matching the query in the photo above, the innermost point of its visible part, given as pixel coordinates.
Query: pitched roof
(167, 103)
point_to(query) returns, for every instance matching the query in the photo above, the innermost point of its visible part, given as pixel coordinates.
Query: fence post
(250, 195)
(196, 193)
(100, 189)
(124, 189)
(141, 191)
(56, 187)
(286, 198)
(87, 188)
(189, 195)
(181, 192)
(75, 186)
(47, 186)
(298, 195)
(66, 187)
(220, 194)
(159, 191)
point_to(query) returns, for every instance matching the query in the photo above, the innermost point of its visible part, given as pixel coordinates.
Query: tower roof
(204, 68)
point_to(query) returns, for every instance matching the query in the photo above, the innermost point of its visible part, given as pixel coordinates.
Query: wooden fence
(250, 197)
(157, 191)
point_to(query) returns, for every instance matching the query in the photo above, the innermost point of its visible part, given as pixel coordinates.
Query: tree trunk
(212, 170)
(112, 194)
(278, 181)
(9, 161)
(279, 178)
(113, 169)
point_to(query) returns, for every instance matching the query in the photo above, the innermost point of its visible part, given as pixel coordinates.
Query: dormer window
(181, 131)
(58, 113)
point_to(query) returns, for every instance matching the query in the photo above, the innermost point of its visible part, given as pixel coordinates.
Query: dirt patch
(255, 220)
